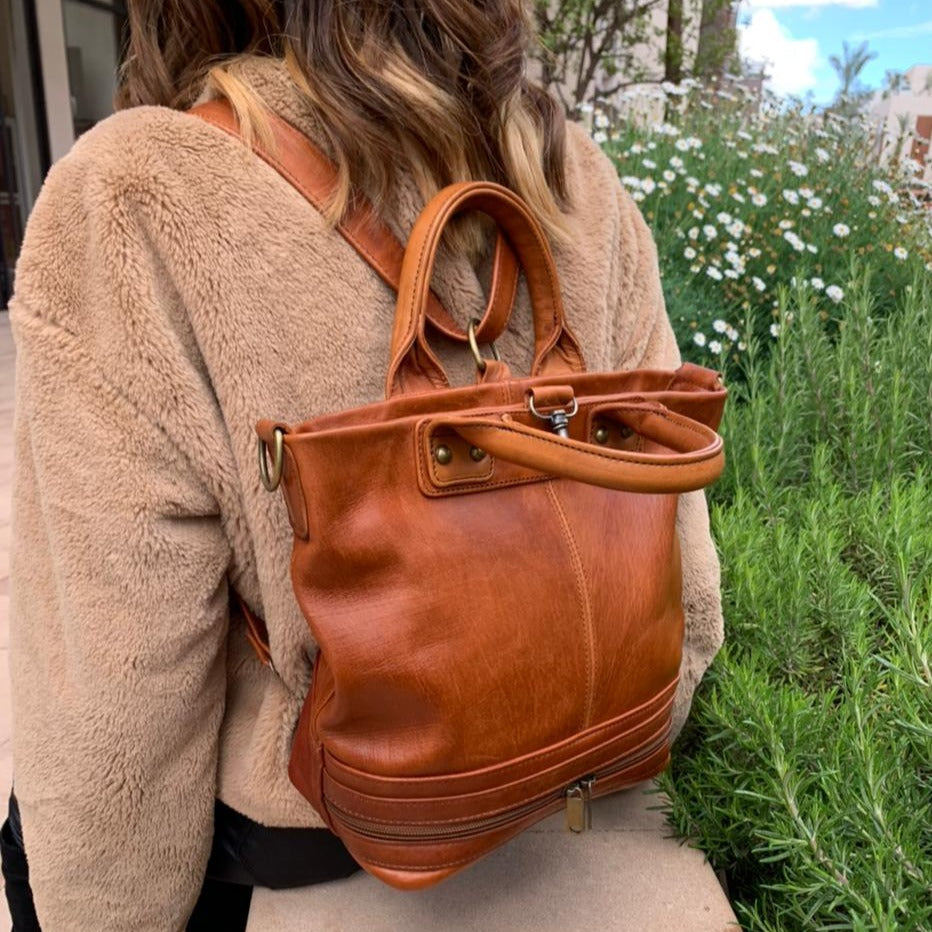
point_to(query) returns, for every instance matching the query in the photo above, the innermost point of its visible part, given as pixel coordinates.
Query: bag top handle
(315, 177)
(413, 366)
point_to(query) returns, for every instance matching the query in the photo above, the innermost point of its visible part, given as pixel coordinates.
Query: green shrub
(744, 199)
(806, 770)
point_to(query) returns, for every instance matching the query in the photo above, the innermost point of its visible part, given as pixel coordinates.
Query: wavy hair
(437, 88)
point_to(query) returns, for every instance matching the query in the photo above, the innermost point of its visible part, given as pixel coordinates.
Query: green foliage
(806, 770)
(745, 197)
(589, 48)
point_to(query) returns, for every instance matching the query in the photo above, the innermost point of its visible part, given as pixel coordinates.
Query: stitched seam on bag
(655, 706)
(582, 589)
(433, 488)
(544, 439)
(485, 813)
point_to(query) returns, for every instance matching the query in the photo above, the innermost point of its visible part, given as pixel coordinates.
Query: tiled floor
(625, 875)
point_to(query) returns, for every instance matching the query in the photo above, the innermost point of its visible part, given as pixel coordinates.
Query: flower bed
(743, 199)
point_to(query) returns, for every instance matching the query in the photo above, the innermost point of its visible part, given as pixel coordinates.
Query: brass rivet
(443, 455)
(477, 454)
(601, 435)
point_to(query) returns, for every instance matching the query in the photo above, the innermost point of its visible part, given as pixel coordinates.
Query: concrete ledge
(626, 874)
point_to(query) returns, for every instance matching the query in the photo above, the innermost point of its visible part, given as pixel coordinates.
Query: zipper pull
(578, 810)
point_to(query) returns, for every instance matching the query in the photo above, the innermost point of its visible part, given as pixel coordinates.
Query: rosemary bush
(806, 769)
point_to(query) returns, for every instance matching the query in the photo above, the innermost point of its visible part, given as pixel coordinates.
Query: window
(94, 36)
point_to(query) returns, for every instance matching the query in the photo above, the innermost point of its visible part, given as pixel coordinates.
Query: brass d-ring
(481, 363)
(272, 480)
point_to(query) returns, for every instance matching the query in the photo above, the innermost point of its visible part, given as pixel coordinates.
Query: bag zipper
(578, 796)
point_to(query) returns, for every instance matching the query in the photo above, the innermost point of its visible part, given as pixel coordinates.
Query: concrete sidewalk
(626, 875)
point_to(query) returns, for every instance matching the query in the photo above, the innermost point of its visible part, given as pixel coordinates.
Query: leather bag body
(492, 575)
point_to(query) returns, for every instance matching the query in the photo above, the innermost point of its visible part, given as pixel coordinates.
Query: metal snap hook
(559, 420)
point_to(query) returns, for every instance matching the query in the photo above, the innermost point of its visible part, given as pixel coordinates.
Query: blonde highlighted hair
(436, 88)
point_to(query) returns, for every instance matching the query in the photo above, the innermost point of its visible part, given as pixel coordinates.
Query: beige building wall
(904, 120)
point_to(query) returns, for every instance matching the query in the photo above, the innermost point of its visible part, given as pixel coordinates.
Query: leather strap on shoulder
(305, 167)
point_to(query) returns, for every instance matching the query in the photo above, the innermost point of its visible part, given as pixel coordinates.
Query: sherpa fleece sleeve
(645, 340)
(119, 562)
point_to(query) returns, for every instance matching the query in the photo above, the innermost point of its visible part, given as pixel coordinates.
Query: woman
(172, 290)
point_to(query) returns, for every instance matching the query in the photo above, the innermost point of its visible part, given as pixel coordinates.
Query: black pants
(244, 854)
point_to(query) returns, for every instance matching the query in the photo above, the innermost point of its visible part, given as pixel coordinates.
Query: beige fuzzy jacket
(172, 290)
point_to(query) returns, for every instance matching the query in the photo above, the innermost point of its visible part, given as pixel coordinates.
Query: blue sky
(797, 38)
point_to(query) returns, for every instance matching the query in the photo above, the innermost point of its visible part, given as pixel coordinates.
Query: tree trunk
(673, 58)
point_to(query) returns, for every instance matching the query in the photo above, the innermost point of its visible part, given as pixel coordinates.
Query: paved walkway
(626, 875)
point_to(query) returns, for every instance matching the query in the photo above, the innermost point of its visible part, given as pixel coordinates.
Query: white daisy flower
(816, 203)
(841, 229)
(775, 330)
(835, 293)
(709, 231)
(714, 273)
(817, 283)
(649, 163)
(732, 334)
(759, 200)
(790, 196)
(648, 185)
(600, 137)
(699, 339)
(693, 233)
(901, 253)
(715, 347)
(719, 326)
(759, 283)
(822, 155)
(798, 169)
(689, 253)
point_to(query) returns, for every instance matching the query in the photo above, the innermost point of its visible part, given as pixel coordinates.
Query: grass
(806, 770)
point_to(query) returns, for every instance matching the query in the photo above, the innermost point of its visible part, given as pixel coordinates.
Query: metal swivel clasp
(559, 420)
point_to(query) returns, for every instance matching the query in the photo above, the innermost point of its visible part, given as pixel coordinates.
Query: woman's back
(173, 290)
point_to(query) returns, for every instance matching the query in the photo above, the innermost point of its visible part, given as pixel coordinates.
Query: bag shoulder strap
(305, 167)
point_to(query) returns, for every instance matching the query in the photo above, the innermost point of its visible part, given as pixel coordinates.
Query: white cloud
(783, 4)
(790, 63)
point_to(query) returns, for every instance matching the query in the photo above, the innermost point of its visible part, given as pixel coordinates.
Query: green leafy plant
(806, 770)
(748, 196)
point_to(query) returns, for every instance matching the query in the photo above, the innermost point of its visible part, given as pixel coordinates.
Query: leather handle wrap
(413, 366)
(697, 459)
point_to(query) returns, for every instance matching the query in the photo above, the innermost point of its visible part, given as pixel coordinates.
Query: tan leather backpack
(492, 573)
